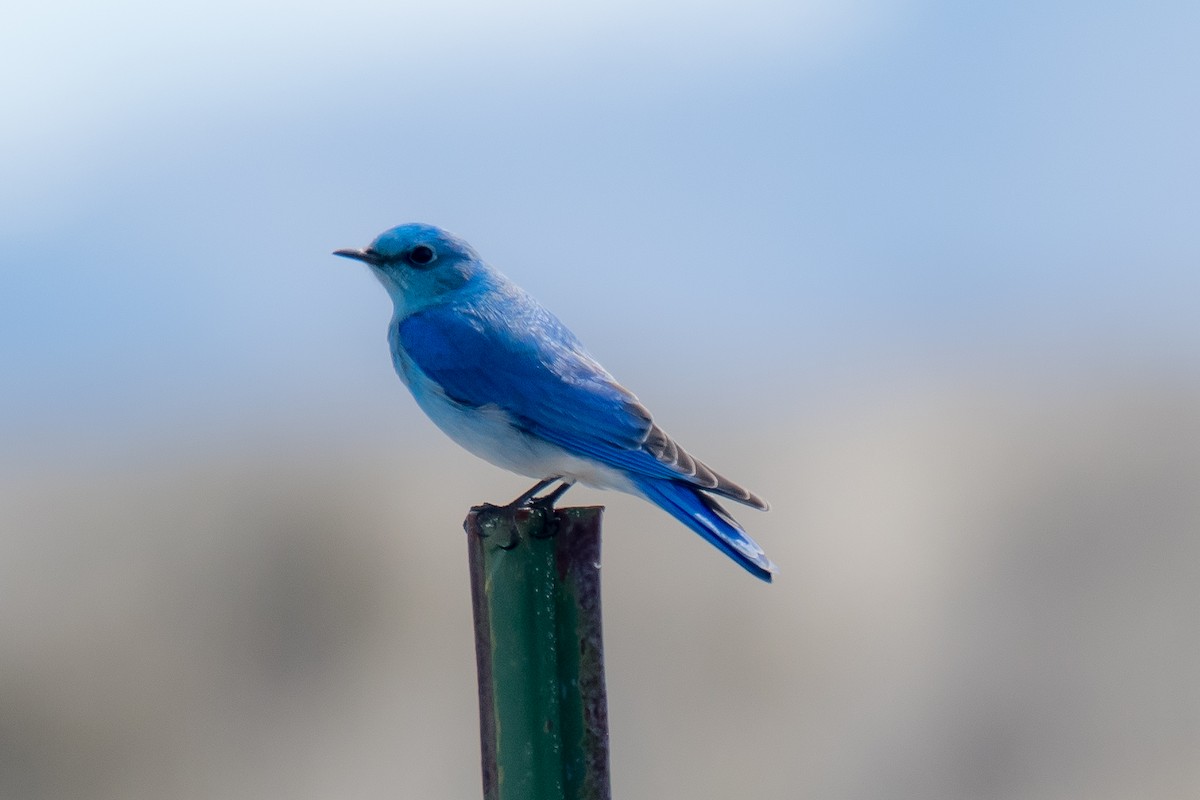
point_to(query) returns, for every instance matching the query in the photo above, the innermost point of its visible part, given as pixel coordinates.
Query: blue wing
(529, 364)
(519, 357)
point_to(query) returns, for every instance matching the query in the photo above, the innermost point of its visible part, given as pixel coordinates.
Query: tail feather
(703, 515)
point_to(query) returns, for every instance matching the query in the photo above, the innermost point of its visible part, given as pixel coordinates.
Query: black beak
(365, 256)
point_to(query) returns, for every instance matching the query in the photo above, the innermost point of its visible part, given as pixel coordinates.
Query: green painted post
(543, 713)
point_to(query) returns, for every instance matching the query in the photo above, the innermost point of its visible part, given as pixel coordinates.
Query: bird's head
(418, 264)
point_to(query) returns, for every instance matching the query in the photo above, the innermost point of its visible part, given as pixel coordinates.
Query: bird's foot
(545, 504)
(524, 501)
(529, 501)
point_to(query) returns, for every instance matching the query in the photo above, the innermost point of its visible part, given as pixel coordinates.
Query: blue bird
(500, 375)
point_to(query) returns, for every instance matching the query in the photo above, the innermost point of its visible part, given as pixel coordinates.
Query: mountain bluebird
(500, 375)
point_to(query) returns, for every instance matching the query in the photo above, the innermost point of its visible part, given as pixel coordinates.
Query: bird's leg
(529, 500)
(514, 536)
(527, 496)
(549, 500)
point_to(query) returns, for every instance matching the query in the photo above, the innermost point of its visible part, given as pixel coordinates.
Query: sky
(769, 189)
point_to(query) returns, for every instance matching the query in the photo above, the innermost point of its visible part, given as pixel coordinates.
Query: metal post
(543, 713)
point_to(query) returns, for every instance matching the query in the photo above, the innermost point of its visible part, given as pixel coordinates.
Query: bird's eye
(421, 255)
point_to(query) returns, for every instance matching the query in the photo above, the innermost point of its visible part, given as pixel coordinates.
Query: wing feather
(531, 366)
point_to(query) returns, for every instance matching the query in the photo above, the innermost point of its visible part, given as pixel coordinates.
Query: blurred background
(924, 274)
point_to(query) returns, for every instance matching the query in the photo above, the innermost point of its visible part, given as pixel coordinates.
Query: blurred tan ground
(986, 592)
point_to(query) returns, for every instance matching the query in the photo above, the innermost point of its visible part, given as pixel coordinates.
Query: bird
(505, 379)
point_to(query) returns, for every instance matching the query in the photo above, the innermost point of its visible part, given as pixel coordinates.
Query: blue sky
(756, 198)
